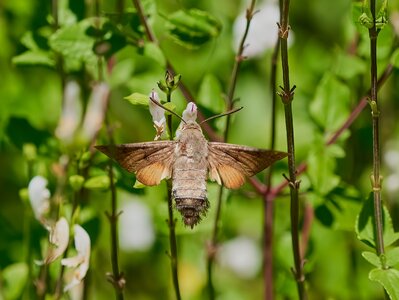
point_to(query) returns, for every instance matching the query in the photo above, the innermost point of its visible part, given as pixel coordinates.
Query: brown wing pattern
(229, 163)
(150, 161)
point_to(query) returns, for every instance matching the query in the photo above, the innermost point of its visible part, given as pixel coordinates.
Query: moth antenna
(167, 109)
(229, 112)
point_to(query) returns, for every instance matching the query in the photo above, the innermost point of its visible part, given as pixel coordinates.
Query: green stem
(171, 220)
(376, 179)
(287, 97)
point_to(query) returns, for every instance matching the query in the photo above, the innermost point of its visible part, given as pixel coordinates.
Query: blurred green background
(329, 64)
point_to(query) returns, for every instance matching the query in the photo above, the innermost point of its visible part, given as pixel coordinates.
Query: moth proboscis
(189, 160)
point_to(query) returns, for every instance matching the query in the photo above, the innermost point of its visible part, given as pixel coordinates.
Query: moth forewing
(150, 161)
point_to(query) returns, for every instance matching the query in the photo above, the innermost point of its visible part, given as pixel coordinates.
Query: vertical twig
(268, 196)
(212, 246)
(117, 278)
(171, 220)
(375, 113)
(286, 95)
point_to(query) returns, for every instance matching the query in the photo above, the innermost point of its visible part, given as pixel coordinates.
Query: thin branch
(171, 220)
(287, 97)
(375, 113)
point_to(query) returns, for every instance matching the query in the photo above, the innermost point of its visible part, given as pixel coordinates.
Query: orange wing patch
(231, 177)
(153, 174)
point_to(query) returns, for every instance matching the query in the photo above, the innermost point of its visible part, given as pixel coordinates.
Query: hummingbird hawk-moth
(189, 160)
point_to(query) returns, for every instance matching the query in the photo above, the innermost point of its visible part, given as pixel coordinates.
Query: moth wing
(150, 161)
(228, 164)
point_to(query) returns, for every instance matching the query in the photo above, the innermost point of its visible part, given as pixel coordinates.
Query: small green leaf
(35, 57)
(330, 106)
(170, 106)
(75, 45)
(389, 279)
(138, 185)
(365, 225)
(349, 66)
(97, 182)
(138, 99)
(193, 28)
(321, 167)
(15, 277)
(76, 182)
(392, 257)
(151, 50)
(372, 258)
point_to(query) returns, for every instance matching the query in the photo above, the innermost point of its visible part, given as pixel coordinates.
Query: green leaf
(392, 257)
(138, 99)
(395, 58)
(330, 106)
(365, 225)
(210, 94)
(152, 51)
(15, 277)
(97, 182)
(138, 185)
(193, 28)
(349, 66)
(321, 166)
(75, 45)
(372, 258)
(389, 279)
(36, 57)
(169, 105)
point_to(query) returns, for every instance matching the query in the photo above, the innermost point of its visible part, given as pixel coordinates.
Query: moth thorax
(192, 209)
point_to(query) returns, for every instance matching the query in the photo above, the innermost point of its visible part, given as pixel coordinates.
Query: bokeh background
(329, 64)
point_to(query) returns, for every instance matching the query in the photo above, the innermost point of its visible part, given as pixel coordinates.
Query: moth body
(189, 174)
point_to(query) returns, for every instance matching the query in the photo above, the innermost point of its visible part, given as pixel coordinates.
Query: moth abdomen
(192, 209)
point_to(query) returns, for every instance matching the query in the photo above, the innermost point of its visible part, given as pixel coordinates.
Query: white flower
(59, 239)
(158, 115)
(39, 197)
(242, 256)
(95, 111)
(263, 30)
(188, 115)
(81, 261)
(71, 113)
(136, 231)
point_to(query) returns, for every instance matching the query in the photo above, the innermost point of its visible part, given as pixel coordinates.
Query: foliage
(66, 80)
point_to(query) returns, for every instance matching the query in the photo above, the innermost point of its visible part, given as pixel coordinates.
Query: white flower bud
(71, 113)
(39, 197)
(158, 115)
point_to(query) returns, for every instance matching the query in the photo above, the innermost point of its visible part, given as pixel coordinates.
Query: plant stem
(171, 220)
(173, 242)
(287, 97)
(268, 197)
(376, 178)
(212, 246)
